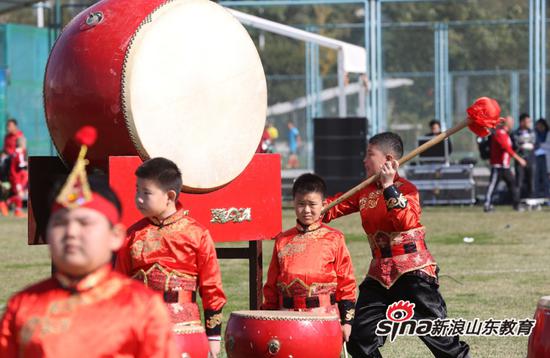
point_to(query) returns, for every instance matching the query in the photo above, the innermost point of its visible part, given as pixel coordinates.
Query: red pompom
(86, 135)
(483, 114)
(478, 130)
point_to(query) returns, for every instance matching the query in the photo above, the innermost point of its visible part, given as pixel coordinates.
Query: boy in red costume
(402, 268)
(19, 177)
(13, 135)
(311, 266)
(86, 309)
(172, 253)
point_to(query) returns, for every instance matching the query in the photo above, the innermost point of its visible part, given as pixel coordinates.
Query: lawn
(502, 274)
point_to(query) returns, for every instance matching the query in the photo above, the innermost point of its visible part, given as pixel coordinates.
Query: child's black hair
(309, 183)
(162, 171)
(389, 143)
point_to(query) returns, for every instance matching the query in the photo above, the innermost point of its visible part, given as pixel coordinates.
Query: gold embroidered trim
(141, 275)
(214, 321)
(188, 328)
(312, 289)
(298, 243)
(350, 314)
(399, 202)
(58, 316)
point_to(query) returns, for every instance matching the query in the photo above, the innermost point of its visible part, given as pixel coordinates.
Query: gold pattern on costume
(291, 249)
(136, 249)
(371, 201)
(143, 276)
(56, 319)
(235, 215)
(151, 246)
(399, 202)
(397, 237)
(214, 321)
(350, 314)
(309, 290)
(298, 243)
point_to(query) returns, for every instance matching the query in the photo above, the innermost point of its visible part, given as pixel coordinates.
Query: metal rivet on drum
(273, 346)
(94, 18)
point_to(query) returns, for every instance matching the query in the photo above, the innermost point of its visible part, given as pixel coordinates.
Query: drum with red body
(282, 334)
(179, 79)
(539, 341)
(191, 341)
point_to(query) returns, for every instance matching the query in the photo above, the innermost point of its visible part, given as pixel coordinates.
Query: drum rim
(297, 316)
(182, 328)
(544, 302)
(124, 87)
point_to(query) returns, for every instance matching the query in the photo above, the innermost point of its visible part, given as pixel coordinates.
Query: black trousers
(526, 178)
(371, 307)
(498, 174)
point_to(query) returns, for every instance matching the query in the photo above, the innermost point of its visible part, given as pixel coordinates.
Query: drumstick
(483, 114)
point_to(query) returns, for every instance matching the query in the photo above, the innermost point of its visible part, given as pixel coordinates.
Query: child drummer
(86, 309)
(311, 267)
(402, 268)
(172, 253)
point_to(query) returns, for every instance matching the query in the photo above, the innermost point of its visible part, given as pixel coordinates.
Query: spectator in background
(524, 140)
(273, 132)
(265, 145)
(13, 133)
(542, 151)
(501, 154)
(435, 129)
(19, 178)
(294, 142)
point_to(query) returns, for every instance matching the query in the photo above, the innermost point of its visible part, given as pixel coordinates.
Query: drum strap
(300, 302)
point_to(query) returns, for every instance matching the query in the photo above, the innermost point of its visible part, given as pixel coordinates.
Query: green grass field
(501, 275)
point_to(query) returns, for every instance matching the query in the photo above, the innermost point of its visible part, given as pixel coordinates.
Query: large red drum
(282, 334)
(539, 341)
(179, 79)
(192, 341)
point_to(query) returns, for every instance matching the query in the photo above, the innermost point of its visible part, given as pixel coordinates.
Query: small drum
(180, 79)
(191, 341)
(539, 341)
(282, 334)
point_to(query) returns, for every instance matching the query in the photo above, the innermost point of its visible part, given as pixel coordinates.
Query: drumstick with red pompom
(484, 113)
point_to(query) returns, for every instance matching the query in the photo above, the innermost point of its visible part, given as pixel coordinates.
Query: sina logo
(400, 311)
(399, 322)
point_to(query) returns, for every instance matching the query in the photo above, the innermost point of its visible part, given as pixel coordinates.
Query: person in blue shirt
(294, 142)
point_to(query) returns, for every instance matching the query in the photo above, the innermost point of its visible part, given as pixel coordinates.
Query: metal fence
(23, 55)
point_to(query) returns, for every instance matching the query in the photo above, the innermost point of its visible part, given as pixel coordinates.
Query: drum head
(194, 91)
(285, 315)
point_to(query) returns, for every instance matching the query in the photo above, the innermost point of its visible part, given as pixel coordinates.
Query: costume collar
(304, 228)
(87, 282)
(175, 217)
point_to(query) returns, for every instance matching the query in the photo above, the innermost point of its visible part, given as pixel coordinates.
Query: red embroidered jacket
(393, 228)
(176, 256)
(103, 315)
(311, 262)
